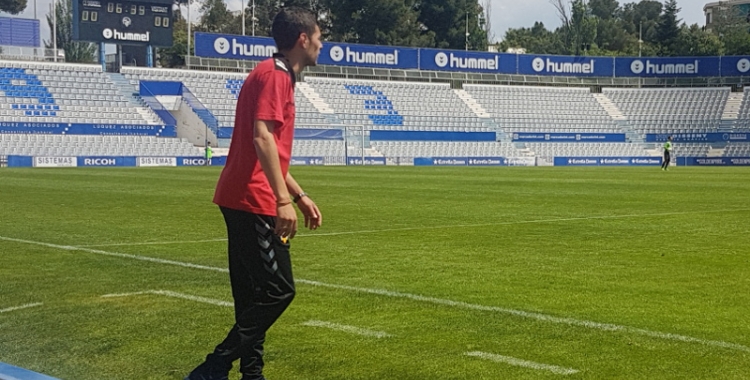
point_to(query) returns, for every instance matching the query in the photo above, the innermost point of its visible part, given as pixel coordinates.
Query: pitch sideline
(21, 307)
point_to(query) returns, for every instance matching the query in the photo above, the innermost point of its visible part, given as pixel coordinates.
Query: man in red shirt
(255, 194)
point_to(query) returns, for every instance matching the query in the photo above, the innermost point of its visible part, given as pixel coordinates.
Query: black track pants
(260, 270)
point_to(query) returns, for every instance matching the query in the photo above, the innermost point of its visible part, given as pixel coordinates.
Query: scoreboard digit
(127, 22)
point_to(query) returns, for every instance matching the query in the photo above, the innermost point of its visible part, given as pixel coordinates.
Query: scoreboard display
(123, 22)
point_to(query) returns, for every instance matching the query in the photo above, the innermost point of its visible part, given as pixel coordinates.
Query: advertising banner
(87, 129)
(700, 137)
(307, 161)
(431, 136)
(569, 137)
(441, 161)
(488, 161)
(106, 161)
(668, 67)
(229, 46)
(192, 161)
(55, 162)
(735, 66)
(566, 66)
(383, 57)
(467, 61)
(713, 161)
(156, 161)
(608, 161)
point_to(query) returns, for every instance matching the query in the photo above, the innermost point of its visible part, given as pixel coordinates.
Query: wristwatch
(299, 196)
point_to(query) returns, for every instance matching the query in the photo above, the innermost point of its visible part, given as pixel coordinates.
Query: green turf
(507, 261)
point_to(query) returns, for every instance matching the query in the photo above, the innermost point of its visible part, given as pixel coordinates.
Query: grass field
(417, 273)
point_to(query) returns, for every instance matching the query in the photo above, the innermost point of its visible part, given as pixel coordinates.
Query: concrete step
(472, 103)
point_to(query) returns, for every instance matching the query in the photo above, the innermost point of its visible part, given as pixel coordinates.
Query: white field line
(167, 293)
(152, 243)
(347, 329)
(115, 254)
(402, 229)
(432, 300)
(28, 305)
(522, 363)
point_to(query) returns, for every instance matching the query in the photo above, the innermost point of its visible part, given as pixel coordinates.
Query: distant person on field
(209, 153)
(256, 194)
(667, 153)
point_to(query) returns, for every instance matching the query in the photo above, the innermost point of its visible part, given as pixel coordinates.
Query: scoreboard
(128, 22)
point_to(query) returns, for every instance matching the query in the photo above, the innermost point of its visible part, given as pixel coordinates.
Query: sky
(505, 13)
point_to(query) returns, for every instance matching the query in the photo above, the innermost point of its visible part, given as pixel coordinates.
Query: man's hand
(313, 217)
(286, 220)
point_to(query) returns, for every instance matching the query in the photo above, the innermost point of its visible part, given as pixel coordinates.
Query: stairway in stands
(130, 93)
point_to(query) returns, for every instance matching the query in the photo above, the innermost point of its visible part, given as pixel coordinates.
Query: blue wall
(700, 137)
(569, 137)
(88, 129)
(431, 136)
(19, 32)
(608, 161)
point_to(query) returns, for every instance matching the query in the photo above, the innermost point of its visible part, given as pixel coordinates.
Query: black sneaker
(208, 372)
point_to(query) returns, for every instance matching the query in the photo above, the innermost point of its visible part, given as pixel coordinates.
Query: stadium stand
(218, 91)
(64, 93)
(527, 109)
(683, 110)
(382, 105)
(692, 149)
(72, 93)
(544, 109)
(743, 113)
(589, 149)
(93, 145)
(331, 149)
(737, 150)
(32, 92)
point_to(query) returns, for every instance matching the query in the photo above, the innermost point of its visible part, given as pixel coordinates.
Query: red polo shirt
(267, 94)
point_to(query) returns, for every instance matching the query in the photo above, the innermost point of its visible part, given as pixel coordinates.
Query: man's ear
(303, 40)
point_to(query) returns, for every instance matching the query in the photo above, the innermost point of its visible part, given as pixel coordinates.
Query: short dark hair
(289, 23)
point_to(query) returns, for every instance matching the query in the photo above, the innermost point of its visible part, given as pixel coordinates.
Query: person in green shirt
(209, 154)
(667, 153)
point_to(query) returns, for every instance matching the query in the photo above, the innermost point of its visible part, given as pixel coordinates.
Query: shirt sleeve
(272, 96)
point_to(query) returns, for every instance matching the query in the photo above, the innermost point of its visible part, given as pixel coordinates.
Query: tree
(266, 10)
(646, 13)
(694, 41)
(174, 56)
(13, 7)
(74, 51)
(611, 36)
(449, 19)
(604, 9)
(378, 22)
(535, 40)
(564, 31)
(216, 18)
(578, 30)
(583, 26)
(668, 30)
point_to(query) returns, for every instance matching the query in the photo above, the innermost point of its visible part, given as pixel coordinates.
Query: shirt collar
(283, 62)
